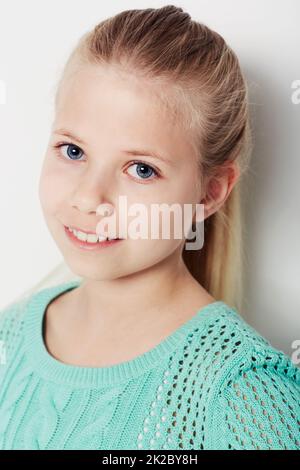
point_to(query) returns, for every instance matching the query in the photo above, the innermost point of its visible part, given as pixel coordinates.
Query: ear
(218, 188)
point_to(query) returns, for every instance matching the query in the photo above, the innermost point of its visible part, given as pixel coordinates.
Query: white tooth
(81, 235)
(92, 238)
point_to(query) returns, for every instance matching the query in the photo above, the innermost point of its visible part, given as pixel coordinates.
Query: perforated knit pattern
(214, 383)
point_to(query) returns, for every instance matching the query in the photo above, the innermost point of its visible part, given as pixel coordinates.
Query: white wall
(35, 40)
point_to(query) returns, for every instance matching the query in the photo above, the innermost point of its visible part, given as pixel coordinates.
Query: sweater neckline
(50, 368)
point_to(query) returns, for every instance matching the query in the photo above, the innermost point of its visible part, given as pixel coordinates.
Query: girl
(152, 106)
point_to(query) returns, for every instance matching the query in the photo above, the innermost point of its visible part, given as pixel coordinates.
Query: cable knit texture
(214, 383)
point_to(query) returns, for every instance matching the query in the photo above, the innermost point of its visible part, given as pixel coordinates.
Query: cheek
(160, 226)
(188, 187)
(52, 188)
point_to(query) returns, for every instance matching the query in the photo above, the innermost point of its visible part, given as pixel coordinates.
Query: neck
(136, 298)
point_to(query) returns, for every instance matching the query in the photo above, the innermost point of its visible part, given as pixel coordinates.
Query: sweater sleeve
(11, 325)
(258, 408)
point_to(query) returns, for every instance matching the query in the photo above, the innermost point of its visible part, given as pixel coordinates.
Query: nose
(89, 194)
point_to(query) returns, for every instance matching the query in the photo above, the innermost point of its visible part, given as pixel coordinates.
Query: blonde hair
(207, 93)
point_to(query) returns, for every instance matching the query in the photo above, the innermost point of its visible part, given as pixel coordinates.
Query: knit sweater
(214, 383)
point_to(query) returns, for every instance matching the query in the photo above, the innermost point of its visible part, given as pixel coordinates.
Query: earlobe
(219, 188)
(213, 198)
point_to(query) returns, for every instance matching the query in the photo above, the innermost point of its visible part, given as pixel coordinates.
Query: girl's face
(106, 118)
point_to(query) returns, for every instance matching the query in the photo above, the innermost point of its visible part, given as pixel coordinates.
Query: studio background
(35, 41)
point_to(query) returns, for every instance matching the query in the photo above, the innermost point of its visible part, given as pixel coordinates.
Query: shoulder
(13, 316)
(255, 397)
(12, 327)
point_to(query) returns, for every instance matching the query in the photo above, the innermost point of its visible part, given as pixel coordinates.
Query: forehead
(103, 103)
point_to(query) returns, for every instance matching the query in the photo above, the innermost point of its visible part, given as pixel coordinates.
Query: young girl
(145, 348)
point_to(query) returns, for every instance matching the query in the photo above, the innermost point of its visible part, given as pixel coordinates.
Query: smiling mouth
(89, 237)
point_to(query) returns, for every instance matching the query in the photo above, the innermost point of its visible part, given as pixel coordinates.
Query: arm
(259, 408)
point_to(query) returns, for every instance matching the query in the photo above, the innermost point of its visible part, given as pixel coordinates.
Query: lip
(90, 246)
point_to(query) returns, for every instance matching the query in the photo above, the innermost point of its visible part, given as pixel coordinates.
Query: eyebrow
(69, 134)
(135, 151)
(148, 153)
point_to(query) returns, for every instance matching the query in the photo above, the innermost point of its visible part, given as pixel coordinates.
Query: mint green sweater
(214, 383)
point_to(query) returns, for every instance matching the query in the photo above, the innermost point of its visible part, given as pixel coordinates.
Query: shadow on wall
(272, 302)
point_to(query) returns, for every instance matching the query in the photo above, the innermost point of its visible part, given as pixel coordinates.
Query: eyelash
(133, 162)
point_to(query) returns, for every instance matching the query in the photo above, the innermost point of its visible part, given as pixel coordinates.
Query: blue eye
(72, 151)
(144, 171)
